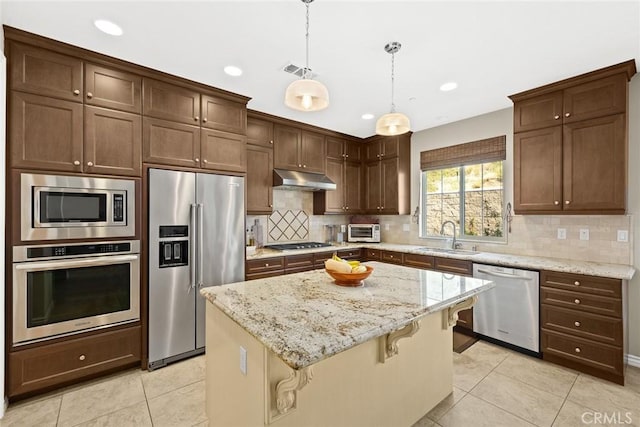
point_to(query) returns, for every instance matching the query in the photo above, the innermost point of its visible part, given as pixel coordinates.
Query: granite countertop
(304, 318)
(615, 271)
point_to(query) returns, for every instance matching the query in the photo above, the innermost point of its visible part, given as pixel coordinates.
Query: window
(464, 184)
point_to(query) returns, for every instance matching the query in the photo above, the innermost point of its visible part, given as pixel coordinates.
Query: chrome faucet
(453, 242)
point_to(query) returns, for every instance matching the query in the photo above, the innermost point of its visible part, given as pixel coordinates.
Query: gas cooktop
(298, 245)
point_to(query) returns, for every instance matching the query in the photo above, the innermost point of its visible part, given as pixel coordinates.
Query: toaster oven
(369, 233)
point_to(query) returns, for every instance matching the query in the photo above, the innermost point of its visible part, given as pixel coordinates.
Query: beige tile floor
(492, 387)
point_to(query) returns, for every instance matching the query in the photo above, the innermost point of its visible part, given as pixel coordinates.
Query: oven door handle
(85, 262)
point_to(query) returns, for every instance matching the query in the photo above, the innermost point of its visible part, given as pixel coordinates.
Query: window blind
(481, 151)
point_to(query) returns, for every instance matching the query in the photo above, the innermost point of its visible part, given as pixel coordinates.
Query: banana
(353, 264)
(359, 269)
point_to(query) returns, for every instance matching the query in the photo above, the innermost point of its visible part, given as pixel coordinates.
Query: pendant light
(307, 94)
(392, 123)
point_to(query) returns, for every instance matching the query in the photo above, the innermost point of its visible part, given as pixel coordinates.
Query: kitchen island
(299, 350)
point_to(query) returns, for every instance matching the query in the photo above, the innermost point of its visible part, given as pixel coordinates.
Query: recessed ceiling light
(232, 70)
(448, 86)
(108, 27)
(367, 116)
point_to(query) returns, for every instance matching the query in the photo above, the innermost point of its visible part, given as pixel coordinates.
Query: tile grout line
(565, 399)
(59, 409)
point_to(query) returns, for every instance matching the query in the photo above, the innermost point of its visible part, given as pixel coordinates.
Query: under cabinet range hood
(305, 181)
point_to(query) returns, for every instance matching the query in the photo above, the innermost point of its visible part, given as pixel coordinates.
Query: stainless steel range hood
(305, 181)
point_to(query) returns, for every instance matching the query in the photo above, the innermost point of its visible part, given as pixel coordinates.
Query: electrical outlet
(623, 235)
(243, 360)
(584, 234)
(562, 233)
(406, 227)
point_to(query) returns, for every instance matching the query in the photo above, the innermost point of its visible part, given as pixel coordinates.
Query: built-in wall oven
(70, 288)
(75, 207)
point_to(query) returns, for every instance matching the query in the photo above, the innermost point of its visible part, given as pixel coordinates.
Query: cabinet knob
(567, 114)
(271, 141)
(577, 350)
(204, 161)
(270, 206)
(556, 202)
(304, 166)
(89, 95)
(378, 155)
(76, 92)
(196, 118)
(390, 256)
(196, 159)
(556, 117)
(204, 120)
(377, 207)
(567, 202)
(266, 264)
(346, 155)
(381, 207)
(576, 283)
(89, 163)
(347, 207)
(82, 357)
(299, 165)
(577, 301)
(76, 162)
(577, 324)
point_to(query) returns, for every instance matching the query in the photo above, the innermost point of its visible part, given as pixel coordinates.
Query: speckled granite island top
(304, 317)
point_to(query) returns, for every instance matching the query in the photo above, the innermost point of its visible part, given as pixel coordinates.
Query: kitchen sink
(450, 251)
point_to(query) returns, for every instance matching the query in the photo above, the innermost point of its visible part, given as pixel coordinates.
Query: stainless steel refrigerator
(196, 239)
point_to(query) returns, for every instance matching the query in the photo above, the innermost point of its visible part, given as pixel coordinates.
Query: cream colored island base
(367, 385)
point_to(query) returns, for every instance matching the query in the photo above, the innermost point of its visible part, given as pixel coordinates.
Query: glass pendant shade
(393, 124)
(306, 95)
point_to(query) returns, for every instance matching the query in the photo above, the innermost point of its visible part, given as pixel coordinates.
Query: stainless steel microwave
(369, 233)
(72, 207)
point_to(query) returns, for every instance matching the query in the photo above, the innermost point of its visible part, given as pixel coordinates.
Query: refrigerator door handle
(192, 241)
(200, 242)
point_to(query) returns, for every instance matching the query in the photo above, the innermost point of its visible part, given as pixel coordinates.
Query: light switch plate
(243, 360)
(623, 235)
(562, 233)
(584, 234)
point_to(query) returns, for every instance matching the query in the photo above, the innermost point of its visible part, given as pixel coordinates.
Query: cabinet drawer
(450, 265)
(586, 325)
(350, 253)
(588, 284)
(373, 254)
(295, 263)
(264, 275)
(581, 301)
(419, 261)
(264, 265)
(320, 257)
(596, 355)
(392, 257)
(49, 365)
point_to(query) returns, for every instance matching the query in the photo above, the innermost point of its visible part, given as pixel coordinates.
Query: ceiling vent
(298, 71)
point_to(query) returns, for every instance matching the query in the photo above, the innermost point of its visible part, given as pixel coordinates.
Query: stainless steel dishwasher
(509, 312)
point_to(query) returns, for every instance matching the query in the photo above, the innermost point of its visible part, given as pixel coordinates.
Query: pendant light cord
(306, 66)
(393, 103)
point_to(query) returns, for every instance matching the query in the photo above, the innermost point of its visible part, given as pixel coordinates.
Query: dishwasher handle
(505, 275)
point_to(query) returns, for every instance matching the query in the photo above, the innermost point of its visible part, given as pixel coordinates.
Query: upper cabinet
(170, 102)
(259, 132)
(570, 144)
(297, 149)
(113, 89)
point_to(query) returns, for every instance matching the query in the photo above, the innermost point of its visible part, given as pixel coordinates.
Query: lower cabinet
(264, 267)
(48, 366)
(392, 257)
(298, 263)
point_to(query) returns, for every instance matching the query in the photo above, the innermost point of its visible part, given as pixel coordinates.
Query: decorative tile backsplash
(288, 226)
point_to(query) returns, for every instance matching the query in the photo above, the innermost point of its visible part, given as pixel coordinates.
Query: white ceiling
(490, 48)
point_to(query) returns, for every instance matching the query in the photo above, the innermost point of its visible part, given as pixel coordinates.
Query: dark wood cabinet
(296, 149)
(108, 88)
(350, 254)
(346, 174)
(259, 184)
(45, 73)
(171, 102)
(384, 146)
(170, 143)
(223, 151)
(373, 255)
(224, 115)
(392, 257)
(264, 267)
(259, 132)
(419, 261)
(45, 367)
(45, 133)
(570, 144)
(460, 267)
(581, 323)
(112, 142)
(298, 263)
(373, 194)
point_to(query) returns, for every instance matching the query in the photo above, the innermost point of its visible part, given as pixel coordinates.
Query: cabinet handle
(196, 159)
(556, 202)
(576, 283)
(204, 120)
(76, 92)
(89, 95)
(577, 301)
(82, 357)
(567, 114)
(76, 162)
(204, 161)
(577, 324)
(196, 118)
(89, 163)
(566, 202)
(577, 350)
(556, 117)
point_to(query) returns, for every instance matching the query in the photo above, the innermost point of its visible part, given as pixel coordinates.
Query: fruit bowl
(349, 279)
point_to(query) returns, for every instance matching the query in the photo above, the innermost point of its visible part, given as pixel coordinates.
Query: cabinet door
(109, 88)
(538, 112)
(353, 151)
(335, 148)
(45, 73)
(537, 171)
(594, 169)
(259, 179)
(312, 152)
(390, 146)
(170, 143)
(465, 319)
(45, 133)
(112, 142)
(259, 132)
(599, 98)
(335, 198)
(352, 187)
(286, 146)
(373, 193)
(389, 186)
(223, 151)
(372, 150)
(170, 102)
(224, 115)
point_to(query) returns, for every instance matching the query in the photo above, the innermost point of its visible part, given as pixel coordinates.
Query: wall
(3, 102)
